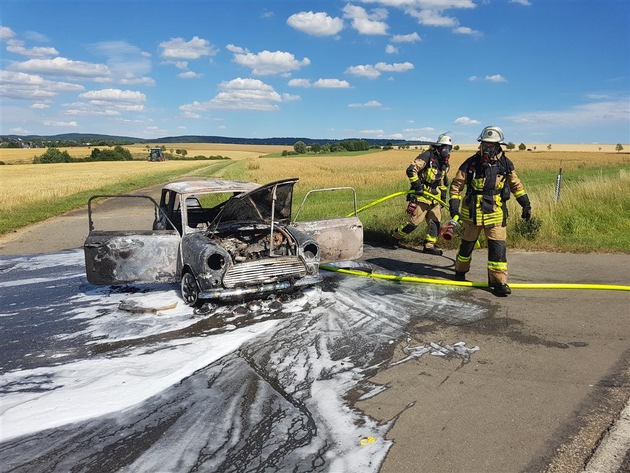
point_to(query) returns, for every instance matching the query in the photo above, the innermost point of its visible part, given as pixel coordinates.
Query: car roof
(207, 186)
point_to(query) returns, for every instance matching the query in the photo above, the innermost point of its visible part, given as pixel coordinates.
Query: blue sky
(545, 71)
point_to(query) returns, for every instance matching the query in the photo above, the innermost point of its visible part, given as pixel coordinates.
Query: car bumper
(259, 290)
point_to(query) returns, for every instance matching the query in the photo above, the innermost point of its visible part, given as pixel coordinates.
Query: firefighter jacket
(427, 173)
(487, 187)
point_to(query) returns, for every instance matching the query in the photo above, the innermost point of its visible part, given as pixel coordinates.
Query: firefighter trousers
(429, 212)
(497, 250)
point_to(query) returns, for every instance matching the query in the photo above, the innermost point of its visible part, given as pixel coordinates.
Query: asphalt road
(547, 390)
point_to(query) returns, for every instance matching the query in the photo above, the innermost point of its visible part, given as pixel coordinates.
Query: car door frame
(340, 238)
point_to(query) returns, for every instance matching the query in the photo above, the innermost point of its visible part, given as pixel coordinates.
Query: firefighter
(482, 185)
(427, 176)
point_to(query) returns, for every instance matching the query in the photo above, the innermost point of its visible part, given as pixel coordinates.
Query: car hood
(272, 200)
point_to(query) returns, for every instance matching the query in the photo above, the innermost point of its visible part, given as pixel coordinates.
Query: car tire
(190, 290)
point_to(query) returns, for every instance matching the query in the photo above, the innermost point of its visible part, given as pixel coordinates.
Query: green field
(592, 215)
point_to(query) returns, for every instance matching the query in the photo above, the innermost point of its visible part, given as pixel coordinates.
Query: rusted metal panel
(339, 239)
(132, 257)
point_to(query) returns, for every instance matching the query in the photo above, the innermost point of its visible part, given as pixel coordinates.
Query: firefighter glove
(523, 200)
(417, 187)
(453, 207)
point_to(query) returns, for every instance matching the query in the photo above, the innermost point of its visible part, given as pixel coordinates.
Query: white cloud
(40, 106)
(428, 4)
(21, 86)
(114, 95)
(331, 84)
(16, 46)
(178, 48)
(189, 75)
(377, 132)
(60, 124)
(63, 67)
(305, 83)
(466, 31)
(364, 71)
(492, 78)
(367, 23)
(465, 121)
(368, 104)
(406, 38)
(421, 134)
(269, 63)
(496, 78)
(525, 3)
(240, 94)
(374, 71)
(396, 67)
(85, 109)
(107, 102)
(290, 98)
(580, 115)
(369, 27)
(316, 24)
(137, 81)
(235, 49)
(435, 18)
(429, 12)
(6, 32)
(389, 49)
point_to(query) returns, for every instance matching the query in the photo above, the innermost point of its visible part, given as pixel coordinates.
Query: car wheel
(190, 290)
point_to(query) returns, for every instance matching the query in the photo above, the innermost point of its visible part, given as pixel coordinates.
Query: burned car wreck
(222, 240)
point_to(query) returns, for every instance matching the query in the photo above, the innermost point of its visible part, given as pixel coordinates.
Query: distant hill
(84, 138)
(78, 137)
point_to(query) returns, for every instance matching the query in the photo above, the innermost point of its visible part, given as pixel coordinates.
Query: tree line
(118, 153)
(341, 146)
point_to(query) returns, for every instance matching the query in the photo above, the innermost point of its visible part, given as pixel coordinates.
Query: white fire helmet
(444, 139)
(491, 134)
(444, 144)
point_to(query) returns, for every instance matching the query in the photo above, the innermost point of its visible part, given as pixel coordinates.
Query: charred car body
(223, 240)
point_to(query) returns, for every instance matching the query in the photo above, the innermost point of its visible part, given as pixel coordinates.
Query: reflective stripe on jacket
(484, 200)
(426, 168)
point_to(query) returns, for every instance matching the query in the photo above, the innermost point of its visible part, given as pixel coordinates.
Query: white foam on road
(85, 389)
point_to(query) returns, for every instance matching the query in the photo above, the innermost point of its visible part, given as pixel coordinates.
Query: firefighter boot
(432, 251)
(460, 276)
(500, 290)
(393, 243)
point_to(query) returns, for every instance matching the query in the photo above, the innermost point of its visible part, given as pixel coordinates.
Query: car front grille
(264, 271)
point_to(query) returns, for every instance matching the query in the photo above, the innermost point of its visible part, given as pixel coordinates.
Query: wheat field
(140, 151)
(29, 183)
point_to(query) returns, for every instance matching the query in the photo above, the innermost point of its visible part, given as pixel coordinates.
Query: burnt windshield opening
(263, 205)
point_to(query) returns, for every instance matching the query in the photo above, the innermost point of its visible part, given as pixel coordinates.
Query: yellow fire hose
(396, 194)
(444, 282)
(432, 197)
